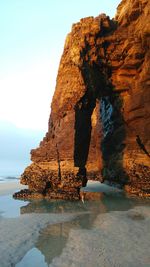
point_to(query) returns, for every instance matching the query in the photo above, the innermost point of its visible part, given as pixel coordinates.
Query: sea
(11, 170)
(8, 178)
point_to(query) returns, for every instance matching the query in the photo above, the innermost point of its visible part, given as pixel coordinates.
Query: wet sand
(115, 238)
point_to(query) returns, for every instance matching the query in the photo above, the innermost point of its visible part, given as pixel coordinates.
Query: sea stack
(99, 126)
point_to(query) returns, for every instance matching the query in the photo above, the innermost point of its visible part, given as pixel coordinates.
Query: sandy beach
(19, 234)
(117, 239)
(113, 231)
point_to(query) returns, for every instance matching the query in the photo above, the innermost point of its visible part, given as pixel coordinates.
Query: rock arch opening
(113, 142)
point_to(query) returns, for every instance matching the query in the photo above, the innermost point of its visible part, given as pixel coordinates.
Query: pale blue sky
(32, 35)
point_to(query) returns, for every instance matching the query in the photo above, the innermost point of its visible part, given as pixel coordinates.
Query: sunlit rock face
(99, 125)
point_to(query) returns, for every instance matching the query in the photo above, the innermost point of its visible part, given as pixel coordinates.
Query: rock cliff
(99, 127)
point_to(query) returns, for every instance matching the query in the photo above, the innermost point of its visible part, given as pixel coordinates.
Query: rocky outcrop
(99, 125)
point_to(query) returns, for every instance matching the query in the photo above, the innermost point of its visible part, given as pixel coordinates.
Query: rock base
(59, 194)
(132, 190)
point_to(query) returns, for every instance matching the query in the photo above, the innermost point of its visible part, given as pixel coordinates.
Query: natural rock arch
(105, 64)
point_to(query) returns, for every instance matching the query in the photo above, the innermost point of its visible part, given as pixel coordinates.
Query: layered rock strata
(99, 125)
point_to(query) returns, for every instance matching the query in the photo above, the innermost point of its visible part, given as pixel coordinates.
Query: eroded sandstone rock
(101, 103)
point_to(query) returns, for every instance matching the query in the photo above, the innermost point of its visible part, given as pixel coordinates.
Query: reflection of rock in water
(114, 240)
(121, 203)
(54, 237)
(108, 202)
(116, 203)
(59, 206)
(43, 206)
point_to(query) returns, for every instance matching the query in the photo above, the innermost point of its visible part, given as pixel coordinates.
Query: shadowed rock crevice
(142, 146)
(83, 112)
(83, 128)
(113, 142)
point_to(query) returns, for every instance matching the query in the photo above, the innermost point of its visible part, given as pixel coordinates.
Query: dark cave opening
(47, 186)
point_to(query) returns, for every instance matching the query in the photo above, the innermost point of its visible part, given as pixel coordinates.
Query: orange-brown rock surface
(99, 125)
